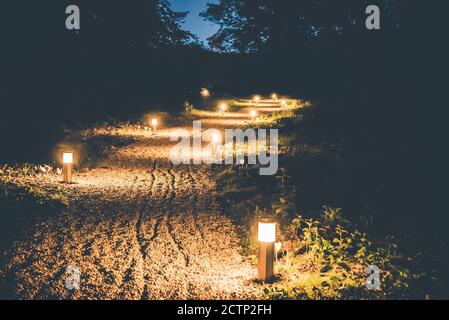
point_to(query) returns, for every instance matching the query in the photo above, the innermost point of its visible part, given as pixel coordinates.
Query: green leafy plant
(328, 262)
(333, 216)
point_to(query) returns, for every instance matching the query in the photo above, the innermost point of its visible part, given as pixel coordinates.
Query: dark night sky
(194, 23)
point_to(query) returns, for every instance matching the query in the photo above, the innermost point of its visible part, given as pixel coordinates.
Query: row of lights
(266, 227)
(274, 97)
(256, 99)
(205, 93)
(223, 107)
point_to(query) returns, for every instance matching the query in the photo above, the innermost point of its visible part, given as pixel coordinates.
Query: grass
(198, 113)
(14, 190)
(22, 201)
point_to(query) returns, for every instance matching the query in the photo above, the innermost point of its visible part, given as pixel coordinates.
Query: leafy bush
(321, 258)
(22, 202)
(324, 260)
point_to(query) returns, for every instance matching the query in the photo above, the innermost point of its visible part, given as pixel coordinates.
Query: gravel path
(137, 227)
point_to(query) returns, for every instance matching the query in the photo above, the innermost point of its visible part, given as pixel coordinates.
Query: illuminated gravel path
(137, 228)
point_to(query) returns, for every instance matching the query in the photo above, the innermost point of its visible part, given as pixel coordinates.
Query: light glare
(215, 138)
(67, 158)
(205, 93)
(267, 231)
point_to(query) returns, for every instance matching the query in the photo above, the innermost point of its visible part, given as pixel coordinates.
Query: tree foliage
(251, 25)
(106, 26)
(137, 24)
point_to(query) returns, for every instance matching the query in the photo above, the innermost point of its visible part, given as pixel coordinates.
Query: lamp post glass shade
(67, 158)
(154, 122)
(267, 231)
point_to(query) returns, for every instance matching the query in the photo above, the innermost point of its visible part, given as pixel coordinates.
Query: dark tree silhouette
(253, 25)
(106, 26)
(137, 24)
(115, 65)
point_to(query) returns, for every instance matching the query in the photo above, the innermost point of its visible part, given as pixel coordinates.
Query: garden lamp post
(256, 100)
(253, 115)
(267, 238)
(223, 108)
(283, 104)
(154, 123)
(67, 169)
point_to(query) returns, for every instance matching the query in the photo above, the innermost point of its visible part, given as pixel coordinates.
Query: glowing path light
(205, 93)
(256, 99)
(253, 115)
(274, 97)
(283, 104)
(215, 138)
(223, 108)
(154, 124)
(67, 169)
(267, 238)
